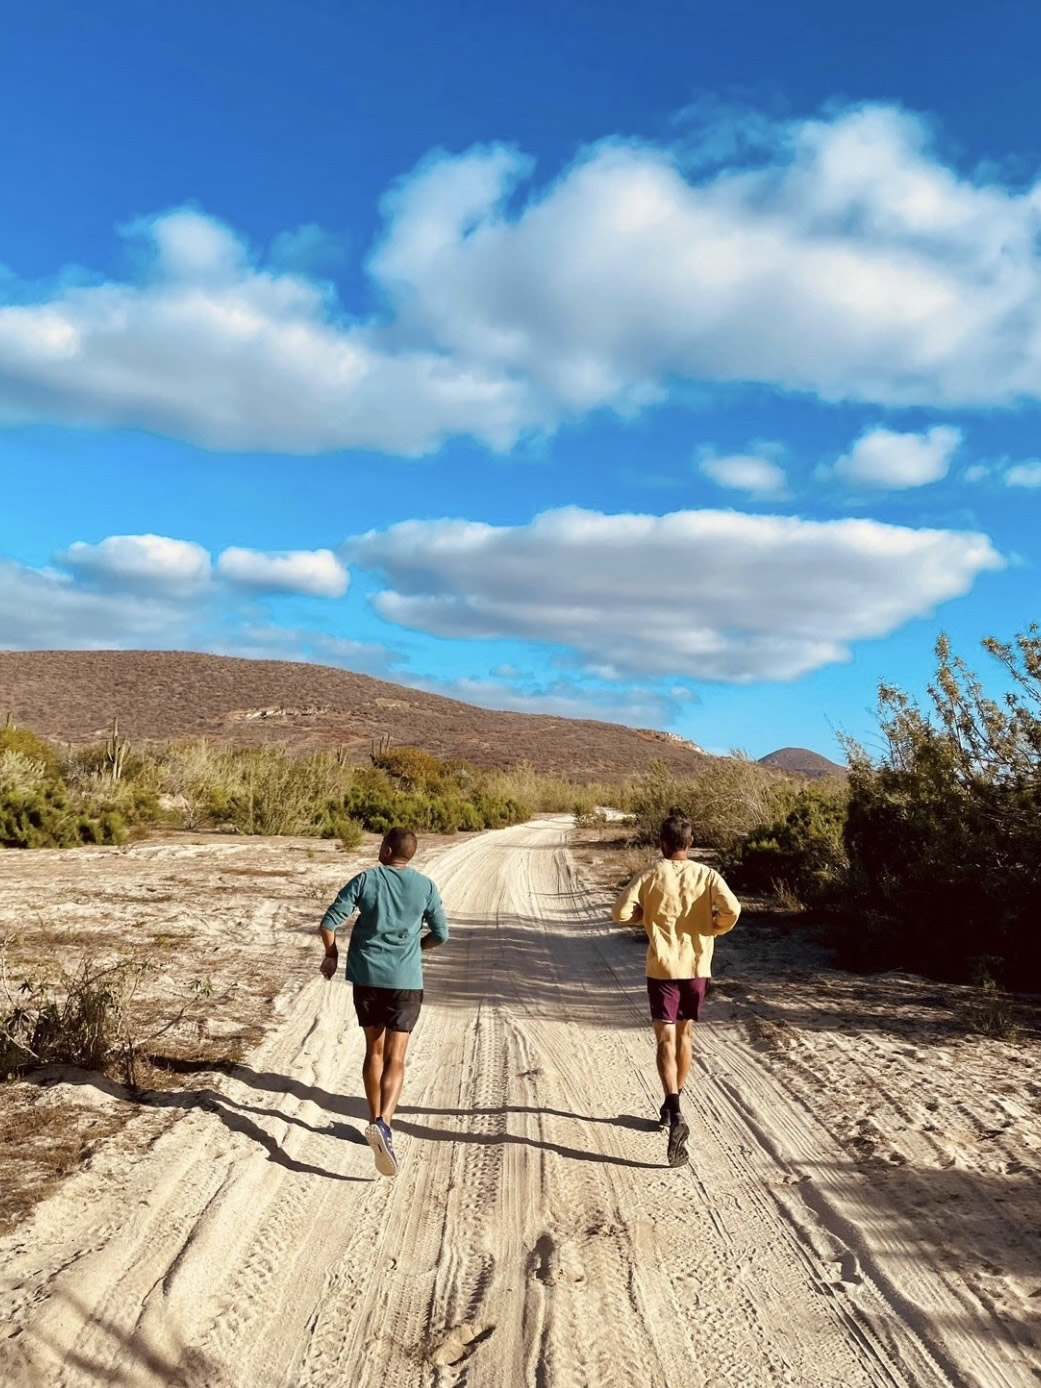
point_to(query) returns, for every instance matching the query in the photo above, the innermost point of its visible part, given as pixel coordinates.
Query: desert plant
(802, 854)
(84, 1017)
(20, 773)
(944, 830)
(725, 800)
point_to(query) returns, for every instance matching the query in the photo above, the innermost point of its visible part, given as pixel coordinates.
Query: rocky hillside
(74, 695)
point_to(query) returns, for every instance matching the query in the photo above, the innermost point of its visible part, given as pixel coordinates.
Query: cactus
(116, 749)
(380, 748)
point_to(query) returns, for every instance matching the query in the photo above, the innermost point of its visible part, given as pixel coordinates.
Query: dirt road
(534, 1236)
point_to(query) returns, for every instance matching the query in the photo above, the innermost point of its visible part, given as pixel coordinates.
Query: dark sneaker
(377, 1135)
(663, 1118)
(678, 1134)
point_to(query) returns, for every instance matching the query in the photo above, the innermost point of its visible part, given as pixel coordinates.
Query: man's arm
(435, 920)
(628, 908)
(725, 906)
(340, 911)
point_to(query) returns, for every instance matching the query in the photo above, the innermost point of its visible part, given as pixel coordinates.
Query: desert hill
(73, 696)
(800, 761)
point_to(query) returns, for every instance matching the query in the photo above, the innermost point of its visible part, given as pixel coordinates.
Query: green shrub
(348, 832)
(37, 749)
(943, 832)
(802, 854)
(725, 800)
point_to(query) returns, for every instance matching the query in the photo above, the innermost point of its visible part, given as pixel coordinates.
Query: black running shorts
(395, 1009)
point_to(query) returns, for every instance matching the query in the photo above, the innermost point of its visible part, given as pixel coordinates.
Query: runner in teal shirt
(384, 963)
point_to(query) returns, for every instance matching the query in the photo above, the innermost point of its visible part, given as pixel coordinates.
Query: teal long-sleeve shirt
(393, 905)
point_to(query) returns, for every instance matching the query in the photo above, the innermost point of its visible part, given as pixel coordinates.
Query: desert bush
(412, 768)
(944, 830)
(348, 833)
(20, 773)
(47, 818)
(800, 856)
(28, 744)
(264, 790)
(83, 1017)
(725, 800)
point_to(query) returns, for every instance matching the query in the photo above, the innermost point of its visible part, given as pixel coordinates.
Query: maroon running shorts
(676, 999)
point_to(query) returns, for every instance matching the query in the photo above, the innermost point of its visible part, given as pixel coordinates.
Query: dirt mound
(74, 695)
(800, 761)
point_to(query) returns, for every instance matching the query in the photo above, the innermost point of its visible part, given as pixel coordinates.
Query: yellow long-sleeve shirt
(683, 905)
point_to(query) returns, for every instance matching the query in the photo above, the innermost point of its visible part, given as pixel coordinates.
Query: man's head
(398, 846)
(675, 835)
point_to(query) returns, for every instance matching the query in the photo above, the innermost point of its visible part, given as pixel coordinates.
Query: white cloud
(882, 458)
(141, 563)
(316, 573)
(838, 256)
(706, 594)
(750, 472)
(209, 348)
(636, 708)
(1024, 474)
(41, 609)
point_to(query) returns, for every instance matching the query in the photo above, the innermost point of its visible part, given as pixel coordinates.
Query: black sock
(672, 1105)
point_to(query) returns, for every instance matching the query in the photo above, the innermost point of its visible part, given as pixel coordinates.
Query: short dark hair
(676, 833)
(401, 843)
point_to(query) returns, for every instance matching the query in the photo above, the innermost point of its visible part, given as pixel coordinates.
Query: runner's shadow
(347, 1106)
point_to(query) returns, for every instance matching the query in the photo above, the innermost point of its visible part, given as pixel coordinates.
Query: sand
(534, 1235)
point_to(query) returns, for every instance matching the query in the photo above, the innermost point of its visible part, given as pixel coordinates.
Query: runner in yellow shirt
(682, 905)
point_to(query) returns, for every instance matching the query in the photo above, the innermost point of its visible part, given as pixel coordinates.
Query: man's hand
(429, 942)
(330, 963)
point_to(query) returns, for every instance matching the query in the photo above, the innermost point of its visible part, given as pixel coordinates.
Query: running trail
(534, 1235)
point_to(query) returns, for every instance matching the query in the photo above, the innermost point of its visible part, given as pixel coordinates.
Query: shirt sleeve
(434, 916)
(627, 908)
(345, 905)
(725, 906)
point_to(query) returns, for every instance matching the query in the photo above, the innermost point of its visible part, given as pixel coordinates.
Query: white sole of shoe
(385, 1163)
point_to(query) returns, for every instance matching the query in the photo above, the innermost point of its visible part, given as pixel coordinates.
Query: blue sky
(676, 365)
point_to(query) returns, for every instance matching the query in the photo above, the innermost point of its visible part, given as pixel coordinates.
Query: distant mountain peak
(800, 761)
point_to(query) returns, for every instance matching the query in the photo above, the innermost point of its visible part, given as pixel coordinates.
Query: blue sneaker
(379, 1138)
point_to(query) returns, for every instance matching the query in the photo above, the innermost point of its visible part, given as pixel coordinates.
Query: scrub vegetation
(55, 798)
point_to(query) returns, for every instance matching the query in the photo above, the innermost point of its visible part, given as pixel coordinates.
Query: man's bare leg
(665, 1035)
(372, 1070)
(393, 1073)
(684, 1053)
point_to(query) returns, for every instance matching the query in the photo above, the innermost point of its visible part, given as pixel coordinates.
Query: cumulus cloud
(753, 472)
(209, 348)
(884, 459)
(707, 594)
(157, 563)
(141, 562)
(1024, 474)
(315, 573)
(42, 609)
(837, 256)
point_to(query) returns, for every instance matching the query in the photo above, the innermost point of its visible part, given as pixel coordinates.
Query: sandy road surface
(534, 1236)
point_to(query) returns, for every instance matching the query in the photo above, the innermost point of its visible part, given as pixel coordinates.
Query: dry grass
(72, 696)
